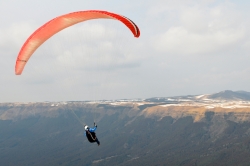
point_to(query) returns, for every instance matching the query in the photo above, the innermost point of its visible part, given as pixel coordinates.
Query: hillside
(188, 130)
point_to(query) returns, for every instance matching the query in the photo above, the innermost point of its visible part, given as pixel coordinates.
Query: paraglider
(90, 134)
(59, 23)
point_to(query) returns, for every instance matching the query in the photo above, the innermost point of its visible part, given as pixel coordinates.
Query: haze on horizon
(185, 47)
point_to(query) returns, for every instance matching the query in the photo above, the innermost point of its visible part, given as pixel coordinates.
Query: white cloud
(202, 30)
(179, 40)
(14, 36)
(94, 46)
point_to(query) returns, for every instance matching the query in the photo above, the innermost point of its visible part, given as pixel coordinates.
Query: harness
(91, 136)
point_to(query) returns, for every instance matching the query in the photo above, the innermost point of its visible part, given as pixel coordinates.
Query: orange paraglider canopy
(59, 23)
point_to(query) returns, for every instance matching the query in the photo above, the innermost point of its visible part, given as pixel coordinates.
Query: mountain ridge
(196, 106)
(223, 95)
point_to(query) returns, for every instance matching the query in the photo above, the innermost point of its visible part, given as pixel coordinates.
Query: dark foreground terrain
(42, 134)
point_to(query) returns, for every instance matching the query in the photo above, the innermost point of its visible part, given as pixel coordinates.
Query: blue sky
(186, 47)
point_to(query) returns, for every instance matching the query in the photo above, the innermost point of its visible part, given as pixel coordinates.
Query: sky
(186, 47)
